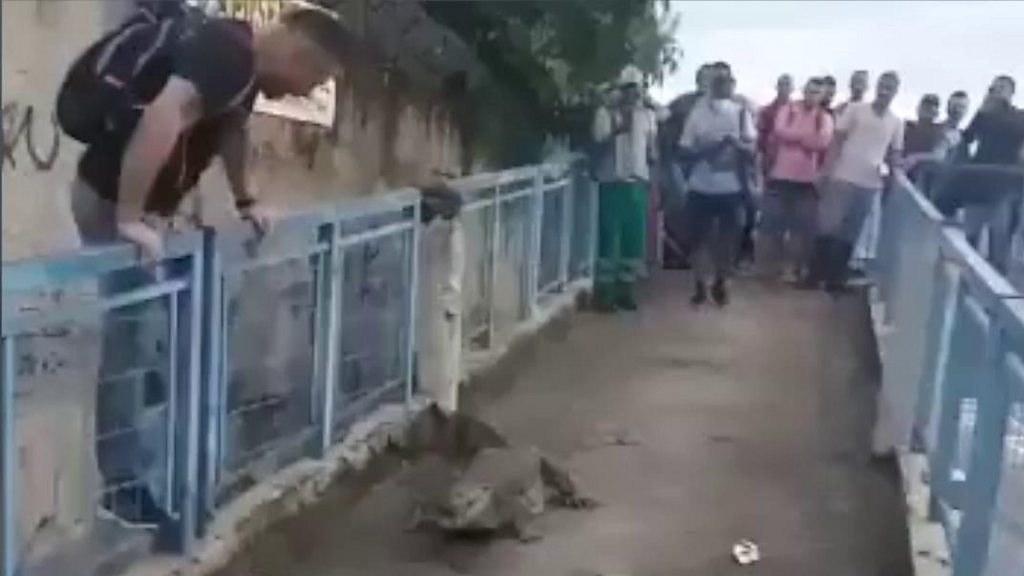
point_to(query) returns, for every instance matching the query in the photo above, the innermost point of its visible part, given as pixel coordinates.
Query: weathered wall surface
(40, 38)
(296, 165)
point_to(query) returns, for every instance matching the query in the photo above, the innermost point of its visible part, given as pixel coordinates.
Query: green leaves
(547, 60)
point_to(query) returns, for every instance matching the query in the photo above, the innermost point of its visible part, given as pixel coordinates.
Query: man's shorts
(789, 207)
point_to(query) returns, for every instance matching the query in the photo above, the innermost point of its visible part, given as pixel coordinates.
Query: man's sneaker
(700, 294)
(719, 292)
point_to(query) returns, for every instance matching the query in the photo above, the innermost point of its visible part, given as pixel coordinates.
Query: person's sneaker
(700, 294)
(720, 292)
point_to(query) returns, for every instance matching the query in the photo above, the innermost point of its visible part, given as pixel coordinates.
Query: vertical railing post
(536, 223)
(326, 352)
(565, 242)
(951, 383)
(9, 471)
(985, 468)
(894, 273)
(210, 415)
(411, 307)
(594, 189)
(190, 490)
(214, 400)
(495, 255)
(938, 334)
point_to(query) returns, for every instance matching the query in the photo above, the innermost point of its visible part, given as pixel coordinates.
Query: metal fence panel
(555, 204)
(239, 355)
(957, 345)
(378, 275)
(478, 224)
(103, 470)
(584, 224)
(265, 378)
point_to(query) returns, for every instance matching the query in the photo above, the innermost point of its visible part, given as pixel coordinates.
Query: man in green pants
(624, 129)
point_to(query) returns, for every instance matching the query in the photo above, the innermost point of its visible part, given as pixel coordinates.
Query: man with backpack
(157, 99)
(154, 101)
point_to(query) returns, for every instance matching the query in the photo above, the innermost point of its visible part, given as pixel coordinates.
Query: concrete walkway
(752, 422)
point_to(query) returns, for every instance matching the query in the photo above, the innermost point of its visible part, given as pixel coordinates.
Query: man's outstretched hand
(150, 244)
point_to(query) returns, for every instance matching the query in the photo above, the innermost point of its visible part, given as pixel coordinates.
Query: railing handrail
(968, 166)
(55, 269)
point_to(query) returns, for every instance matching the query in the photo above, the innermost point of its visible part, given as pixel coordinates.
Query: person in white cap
(628, 129)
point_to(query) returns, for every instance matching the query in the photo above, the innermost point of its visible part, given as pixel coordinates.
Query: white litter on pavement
(746, 553)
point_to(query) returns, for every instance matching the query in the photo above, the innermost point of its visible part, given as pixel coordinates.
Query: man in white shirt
(628, 130)
(718, 144)
(869, 139)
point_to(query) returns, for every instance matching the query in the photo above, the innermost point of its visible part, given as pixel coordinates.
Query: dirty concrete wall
(40, 38)
(54, 418)
(296, 166)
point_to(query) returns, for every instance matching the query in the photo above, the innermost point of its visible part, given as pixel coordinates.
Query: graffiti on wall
(23, 136)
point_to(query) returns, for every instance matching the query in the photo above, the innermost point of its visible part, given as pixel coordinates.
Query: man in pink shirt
(802, 132)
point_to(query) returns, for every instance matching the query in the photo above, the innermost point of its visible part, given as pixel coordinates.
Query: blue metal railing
(243, 354)
(953, 380)
(125, 477)
(530, 232)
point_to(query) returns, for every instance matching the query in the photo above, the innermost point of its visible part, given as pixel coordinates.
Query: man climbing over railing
(154, 101)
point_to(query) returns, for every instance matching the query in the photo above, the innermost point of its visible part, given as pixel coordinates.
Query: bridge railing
(99, 456)
(953, 381)
(237, 355)
(530, 232)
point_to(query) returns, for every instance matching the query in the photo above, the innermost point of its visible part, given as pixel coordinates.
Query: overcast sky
(935, 46)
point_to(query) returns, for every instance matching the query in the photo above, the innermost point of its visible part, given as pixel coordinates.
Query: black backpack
(105, 88)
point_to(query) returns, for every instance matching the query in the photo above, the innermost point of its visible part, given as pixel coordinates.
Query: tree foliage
(546, 61)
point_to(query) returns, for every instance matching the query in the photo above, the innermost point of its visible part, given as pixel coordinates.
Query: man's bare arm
(234, 153)
(175, 109)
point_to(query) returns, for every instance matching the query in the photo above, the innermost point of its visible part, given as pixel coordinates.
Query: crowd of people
(804, 176)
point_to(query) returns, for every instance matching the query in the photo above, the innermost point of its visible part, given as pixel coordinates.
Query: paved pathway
(752, 422)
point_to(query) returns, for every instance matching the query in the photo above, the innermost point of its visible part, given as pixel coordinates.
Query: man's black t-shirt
(1000, 135)
(217, 58)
